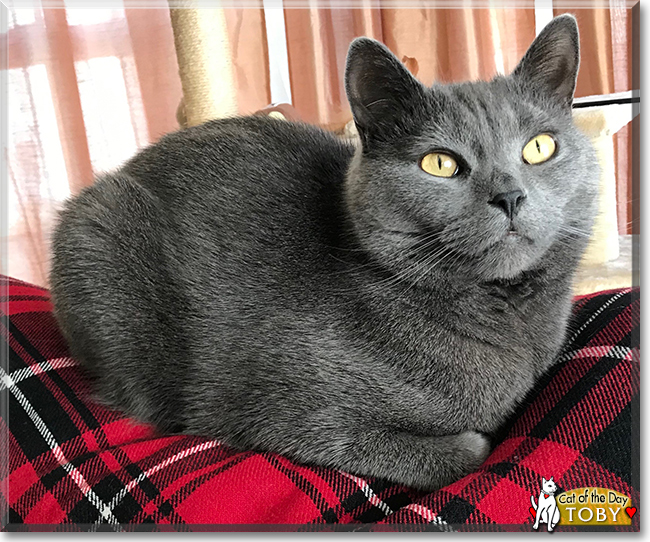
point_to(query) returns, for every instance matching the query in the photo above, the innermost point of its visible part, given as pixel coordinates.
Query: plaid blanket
(71, 464)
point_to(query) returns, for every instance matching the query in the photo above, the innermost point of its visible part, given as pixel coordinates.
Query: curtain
(317, 44)
(442, 45)
(88, 87)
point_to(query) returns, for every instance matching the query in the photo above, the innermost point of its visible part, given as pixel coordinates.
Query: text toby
(594, 506)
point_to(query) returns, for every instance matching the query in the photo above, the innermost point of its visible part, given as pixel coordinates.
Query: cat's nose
(509, 202)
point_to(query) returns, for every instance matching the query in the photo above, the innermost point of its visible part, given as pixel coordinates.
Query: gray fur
(264, 283)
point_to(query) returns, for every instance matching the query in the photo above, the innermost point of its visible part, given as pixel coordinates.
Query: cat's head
(478, 178)
(549, 486)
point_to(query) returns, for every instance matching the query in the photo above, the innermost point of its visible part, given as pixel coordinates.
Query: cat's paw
(458, 455)
(475, 448)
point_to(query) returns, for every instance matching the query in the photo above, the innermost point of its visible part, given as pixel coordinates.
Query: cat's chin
(504, 259)
(510, 275)
(509, 258)
(501, 274)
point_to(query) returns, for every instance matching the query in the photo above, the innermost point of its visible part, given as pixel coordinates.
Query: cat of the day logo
(582, 506)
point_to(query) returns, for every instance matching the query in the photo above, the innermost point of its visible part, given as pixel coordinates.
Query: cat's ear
(383, 94)
(543, 480)
(550, 66)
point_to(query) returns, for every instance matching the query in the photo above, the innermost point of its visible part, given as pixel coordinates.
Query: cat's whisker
(354, 266)
(574, 231)
(416, 277)
(427, 267)
(343, 249)
(402, 276)
(430, 243)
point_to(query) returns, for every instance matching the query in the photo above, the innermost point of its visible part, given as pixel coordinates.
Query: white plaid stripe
(48, 365)
(162, 465)
(596, 313)
(603, 351)
(369, 493)
(429, 515)
(76, 476)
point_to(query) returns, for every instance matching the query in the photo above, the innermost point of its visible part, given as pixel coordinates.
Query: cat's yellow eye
(539, 149)
(439, 164)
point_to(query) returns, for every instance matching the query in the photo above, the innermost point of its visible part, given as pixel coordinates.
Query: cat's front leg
(554, 519)
(423, 462)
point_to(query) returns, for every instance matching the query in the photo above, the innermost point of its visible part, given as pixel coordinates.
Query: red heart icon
(534, 513)
(631, 510)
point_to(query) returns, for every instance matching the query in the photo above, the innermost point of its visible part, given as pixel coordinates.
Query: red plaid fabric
(74, 465)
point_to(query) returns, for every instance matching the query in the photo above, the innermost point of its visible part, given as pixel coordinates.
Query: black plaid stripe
(390, 496)
(354, 503)
(620, 314)
(167, 506)
(66, 431)
(51, 411)
(328, 514)
(130, 507)
(594, 317)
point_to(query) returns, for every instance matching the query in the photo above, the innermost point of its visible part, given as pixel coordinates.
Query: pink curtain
(88, 87)
(436, 44)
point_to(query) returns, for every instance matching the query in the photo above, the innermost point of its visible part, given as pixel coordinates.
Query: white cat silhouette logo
(546, 510)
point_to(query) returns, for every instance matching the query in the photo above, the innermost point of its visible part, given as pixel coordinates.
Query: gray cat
(379, 309)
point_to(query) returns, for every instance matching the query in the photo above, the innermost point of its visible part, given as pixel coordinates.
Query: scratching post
(204, 61)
